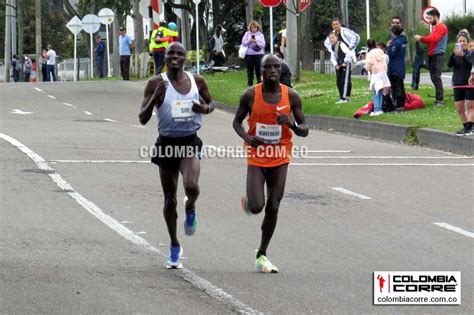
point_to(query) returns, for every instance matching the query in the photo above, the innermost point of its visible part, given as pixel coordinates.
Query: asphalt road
(81, 229)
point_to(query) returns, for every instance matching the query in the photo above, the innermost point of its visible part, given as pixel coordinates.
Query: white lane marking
(38, 89)
(381, 164)
(51, 96)
(20, 112)
(93, 209)
(67, 104)
(351, 193)
(100, 161)
(126, 222)
(141, 233)
(138, 126)
(109, 120)
(455, 229)
(390, 157)
(87, 113)
(326, 151)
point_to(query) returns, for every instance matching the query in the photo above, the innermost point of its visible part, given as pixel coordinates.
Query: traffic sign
(91, 23)
(106, 16)
(270, 3)
(424, 16)
(74, 25)
(304, 4)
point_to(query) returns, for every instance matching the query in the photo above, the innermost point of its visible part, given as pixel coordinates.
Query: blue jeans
(100, 65)
(377, 99)
(50, 73)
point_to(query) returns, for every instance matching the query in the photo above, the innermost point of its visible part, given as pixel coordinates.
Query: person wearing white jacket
(351, 40)
(341, 59)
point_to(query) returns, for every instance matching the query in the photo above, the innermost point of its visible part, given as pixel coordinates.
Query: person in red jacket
(436, 41)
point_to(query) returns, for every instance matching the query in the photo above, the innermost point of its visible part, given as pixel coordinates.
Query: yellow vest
(165, 33)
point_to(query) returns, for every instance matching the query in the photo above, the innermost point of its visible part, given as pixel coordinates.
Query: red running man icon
(381, 282)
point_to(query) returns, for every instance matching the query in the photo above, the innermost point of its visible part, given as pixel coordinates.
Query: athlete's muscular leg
(169, 182)
(190, 169)
(276, 180)
(255, 193)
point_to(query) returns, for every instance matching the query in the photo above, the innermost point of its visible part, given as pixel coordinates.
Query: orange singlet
(262, 122)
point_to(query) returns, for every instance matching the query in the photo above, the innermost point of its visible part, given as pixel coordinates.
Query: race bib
(271, 134)
(182, 110)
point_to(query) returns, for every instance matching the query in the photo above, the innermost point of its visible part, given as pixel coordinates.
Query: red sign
(303, 4)
(270, 3)
(424, 16)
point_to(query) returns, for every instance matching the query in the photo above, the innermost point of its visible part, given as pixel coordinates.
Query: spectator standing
(436, 41)
(377, 67)
(255, 42)
(350, 39)
(27, 68)
(340, 58)
(125, 50)
(216, 46)
(100, 55)
(160, 39)
(44, 65)
(50, 64)
(418, 63)
(461, 63)
(396, 50)
(15, 68)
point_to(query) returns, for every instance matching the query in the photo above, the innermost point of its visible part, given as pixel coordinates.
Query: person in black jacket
(285, 77)
(463, 96)
(418, 63)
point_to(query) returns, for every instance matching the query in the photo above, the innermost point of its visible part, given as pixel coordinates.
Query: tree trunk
(115, 42)
(249, 11)
(307, 50)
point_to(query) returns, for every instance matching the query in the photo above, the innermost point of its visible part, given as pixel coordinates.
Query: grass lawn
(319, 94)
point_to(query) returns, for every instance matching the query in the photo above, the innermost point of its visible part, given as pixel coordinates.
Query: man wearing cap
(125, 50)
(159, 41)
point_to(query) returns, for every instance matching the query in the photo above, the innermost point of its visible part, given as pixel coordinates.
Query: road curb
(445, 141)
(431, 138)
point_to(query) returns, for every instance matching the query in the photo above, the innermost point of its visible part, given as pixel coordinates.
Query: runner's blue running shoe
(174, 260)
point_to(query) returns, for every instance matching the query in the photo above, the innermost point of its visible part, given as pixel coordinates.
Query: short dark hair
(397, 17)
(434, 12)
(397, 29)
(371, 44)
(332, 33)
(122, 28)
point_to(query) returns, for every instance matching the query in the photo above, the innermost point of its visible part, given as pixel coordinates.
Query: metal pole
(367, 4)
(38, 37)
(7, 40)
(347, 14)
(271, 30)
(109, 74)
(75, 57)
(92, 56)
(197, 34)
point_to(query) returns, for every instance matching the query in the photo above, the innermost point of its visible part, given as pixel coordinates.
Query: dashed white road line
(351, 193)
(109, 120)
(138, 126)
(67, 104)
(52, 96)
(38, 89)
(390, 157)
(100, 161)
(455, 229)
(200, 283)
(87, 113)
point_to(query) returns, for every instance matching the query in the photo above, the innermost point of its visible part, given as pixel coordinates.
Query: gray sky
(447, 7)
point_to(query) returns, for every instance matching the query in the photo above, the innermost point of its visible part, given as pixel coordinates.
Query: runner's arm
(300, 129)
(154, 94)
(244, 109)
(208, 106)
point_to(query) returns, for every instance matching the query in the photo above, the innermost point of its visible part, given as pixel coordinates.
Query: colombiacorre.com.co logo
(417, 287)
(221, 152)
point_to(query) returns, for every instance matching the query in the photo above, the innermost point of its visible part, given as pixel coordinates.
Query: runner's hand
(283, 119)
(200, 107)
(160, 88)
(254, 141)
